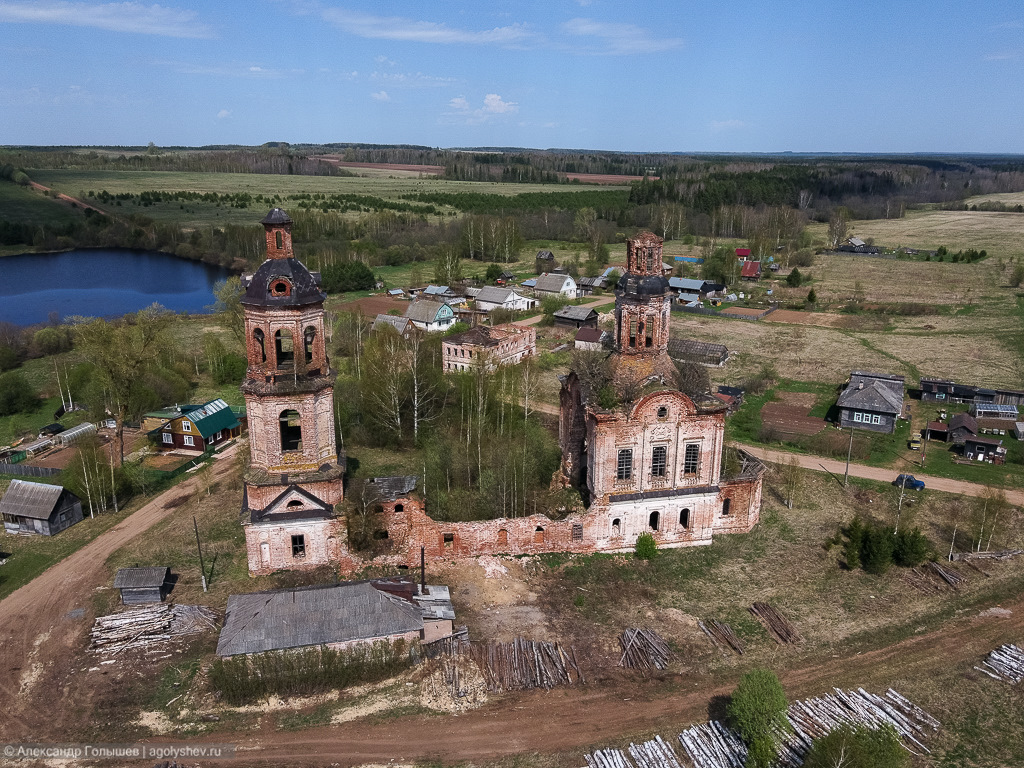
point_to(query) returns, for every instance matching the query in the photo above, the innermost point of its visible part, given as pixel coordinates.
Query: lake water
(102, 283)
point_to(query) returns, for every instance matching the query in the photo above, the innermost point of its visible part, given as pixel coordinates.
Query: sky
(641, 76)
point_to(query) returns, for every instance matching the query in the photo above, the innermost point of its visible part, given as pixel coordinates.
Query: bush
(812, 297)
(854, 540)
(1017, 276)
(858, 747)
(876, 550)
(756, 709)
(646, 546)
(794, 278)
(345, 276)
(16, 395)
(910, 548)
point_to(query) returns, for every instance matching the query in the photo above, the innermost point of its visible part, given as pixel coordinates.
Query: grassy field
(18, 203)
(998, 233)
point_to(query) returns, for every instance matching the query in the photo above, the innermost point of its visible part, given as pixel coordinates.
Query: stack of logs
(643, 649)
(144, 627)
(949, 575)
(778, 626)
(1006, 663)
(524, 664)
(1005, 554)
(721, 634)
(712, 745)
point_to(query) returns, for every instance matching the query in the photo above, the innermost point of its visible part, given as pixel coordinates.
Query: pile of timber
(449, 645)
(146, 626)
(947, 573)
(524, 664)
(921, 580)
(643, 649)
(713, 745)
(721, 634)
(778, 626)
(1005, 554)
(1006, 663)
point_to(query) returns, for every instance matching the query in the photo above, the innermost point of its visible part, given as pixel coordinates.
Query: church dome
(641, 286)
(282, 283)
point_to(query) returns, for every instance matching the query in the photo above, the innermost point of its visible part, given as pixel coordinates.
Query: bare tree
(386, 360)
(791, 480)
(837, 227)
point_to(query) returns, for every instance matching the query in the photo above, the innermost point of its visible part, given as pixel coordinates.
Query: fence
(26, 471)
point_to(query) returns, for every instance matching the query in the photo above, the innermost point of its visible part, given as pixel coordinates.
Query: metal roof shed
(142, 585)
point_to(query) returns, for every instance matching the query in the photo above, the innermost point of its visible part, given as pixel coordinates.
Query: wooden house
(493, 297)
(555, 285)
(39, 508)
(198, 427)
(589, 338)
(143, 585)
(751, 270)
(577, 317)
(962, 427)
(431, 316)
(871, 401)
(403, 325)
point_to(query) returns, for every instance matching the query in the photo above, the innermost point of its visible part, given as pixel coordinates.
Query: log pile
(778, 626)
(721, 634)
(450, 645)
(921, 580)
(947, 573)
(524, 664)
(145, 627)
(1005, 554)
(1005, 663)
(643, 649)
(712, 745)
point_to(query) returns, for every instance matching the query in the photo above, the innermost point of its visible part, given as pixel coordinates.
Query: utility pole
(199, 546)
(849, 452)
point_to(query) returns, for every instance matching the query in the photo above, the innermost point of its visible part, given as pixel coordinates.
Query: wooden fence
(26, 471)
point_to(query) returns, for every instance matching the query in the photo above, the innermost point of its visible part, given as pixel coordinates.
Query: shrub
(812, 297)
(876, 550)
(854, 540)
(1017, 276)
(646, 546)
(345, 276)
(910, 548)
(16, 395)
(756, 709)
(794, 278)
(858, 747)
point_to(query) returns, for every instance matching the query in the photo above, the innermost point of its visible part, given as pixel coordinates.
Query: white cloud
(619, 39)
(409, 79)
(459, 102)
(411, 30)
(380, 96)
(726, 125)
(384, 60)
(127, 17)
(493, 103)
(223, 113)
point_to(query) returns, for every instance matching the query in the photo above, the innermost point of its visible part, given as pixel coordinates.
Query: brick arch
(677, 403)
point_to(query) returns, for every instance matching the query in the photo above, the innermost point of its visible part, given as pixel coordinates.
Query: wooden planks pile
(920, 580)
(1006, 663)
(643, 649)
(524, 664)
(947, 573)
(721, 634)
(144, 627)
(1005, 554)
(712, 745)
(778, 626)
(450, 645)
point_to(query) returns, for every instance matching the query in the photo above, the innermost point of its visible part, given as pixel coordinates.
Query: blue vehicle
(909, 481)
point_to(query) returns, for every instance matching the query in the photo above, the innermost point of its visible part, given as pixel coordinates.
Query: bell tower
(295, 475)
(642, 309)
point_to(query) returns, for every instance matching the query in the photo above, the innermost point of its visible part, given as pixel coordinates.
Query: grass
(24, 204)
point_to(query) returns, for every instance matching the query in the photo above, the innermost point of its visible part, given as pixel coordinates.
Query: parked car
(909, 481)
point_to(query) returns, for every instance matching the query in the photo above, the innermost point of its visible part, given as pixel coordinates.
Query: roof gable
(212, 417)
(554, 283)
(27, 499)
(426, 311)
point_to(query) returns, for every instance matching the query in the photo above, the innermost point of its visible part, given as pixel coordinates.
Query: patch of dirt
(743, 311)
(998, 613)
(371, 306)
(157, 722)
(436, 691)
(601, 178)
(364, 706)
(496, 605)
(790, 420)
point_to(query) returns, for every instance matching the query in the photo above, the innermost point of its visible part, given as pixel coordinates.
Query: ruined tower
(642, 307)
(294, 481)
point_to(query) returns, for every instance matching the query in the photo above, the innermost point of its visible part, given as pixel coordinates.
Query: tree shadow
(718, 708)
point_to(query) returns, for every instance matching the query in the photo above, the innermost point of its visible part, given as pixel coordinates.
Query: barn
(143, 585)
(39, 508)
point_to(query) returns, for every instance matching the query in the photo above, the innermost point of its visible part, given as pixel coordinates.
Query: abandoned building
(491, 346)
(40, 508)
(655, 465)
(143, 585)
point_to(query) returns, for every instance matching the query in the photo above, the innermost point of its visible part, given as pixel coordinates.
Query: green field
(18, 203)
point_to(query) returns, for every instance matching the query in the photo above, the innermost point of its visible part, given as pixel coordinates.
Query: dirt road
(33, 631)
(838, 468)
(67, 198)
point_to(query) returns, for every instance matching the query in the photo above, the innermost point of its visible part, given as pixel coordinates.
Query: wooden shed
(143, 585)
(39, 508)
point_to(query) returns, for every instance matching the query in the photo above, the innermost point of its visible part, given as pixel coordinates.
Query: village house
(431, 316)
(962, 427)
(39, 508)
(403, 325)
(589, 338)
(490, 346)
(493, 297)
(871, 401)
(586, 286)
(576, 317)
(750, 270)
(335, 616)
(550, 284)
(944, 390)
(197, 427)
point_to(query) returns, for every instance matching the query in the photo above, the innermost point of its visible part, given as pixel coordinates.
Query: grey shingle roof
(873, 392)
(33, 500)
(391, 488)
(551, 283)
(964, 420)
(305, 288)
(398, 323)
(578, 314)
(295, 618)
(129, 578)
(494, 295)
(424, 310)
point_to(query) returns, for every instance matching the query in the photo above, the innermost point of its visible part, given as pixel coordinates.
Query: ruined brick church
(653, 465)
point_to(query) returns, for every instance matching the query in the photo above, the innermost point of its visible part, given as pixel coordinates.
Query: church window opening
(261, 343)
(298, 545)
(650, 259)
(632, 331)
(502, 537)
(448, 538)
(654, 520)
(283, 346)
(684, 519)
(577, 532)
(279, 239)
(399, 507)
(538, 535)
(624, 469)
(649, 332)
(294, 504)
(616, 527)
(291, 430)
(726, 507)
(691, 459)
(659, 460)
(663, 412)
(308, 338)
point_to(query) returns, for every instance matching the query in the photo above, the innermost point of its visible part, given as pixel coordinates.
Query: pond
(102, 283)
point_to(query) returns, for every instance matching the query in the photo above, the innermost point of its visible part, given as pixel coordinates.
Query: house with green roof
(196, 427)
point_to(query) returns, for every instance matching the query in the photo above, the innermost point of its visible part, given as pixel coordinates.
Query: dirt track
(32, 629)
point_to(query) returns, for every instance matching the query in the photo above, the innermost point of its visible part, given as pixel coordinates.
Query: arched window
(502, 537)
(294, 504)
(649, 332)
(283, 347)
(399, 507)
(279, 239)
(726, 507)
(261, 342)
(654, 520)
(538, 535)
(291, 430)
(684, 518)
(650, 259)
(616, 527)
(659, 459)
(308, 337)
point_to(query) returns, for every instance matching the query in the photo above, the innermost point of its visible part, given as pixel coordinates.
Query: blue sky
(648, 75)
